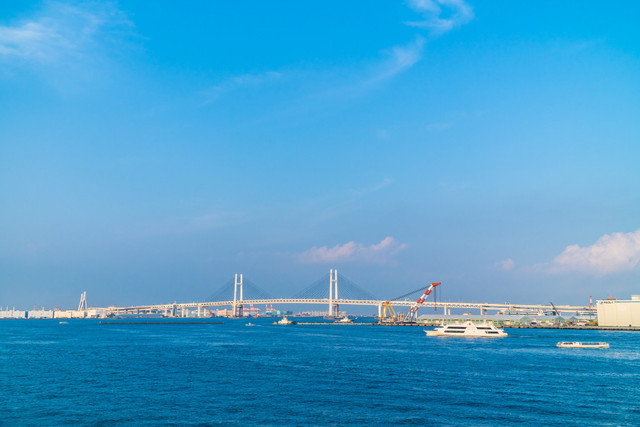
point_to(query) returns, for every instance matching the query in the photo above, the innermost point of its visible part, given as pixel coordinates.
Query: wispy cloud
(441, 16)
(439, 126)
(374, 188)
(612, 253)
(238, 82)
(60, 30)
(379, 253)
(399, 59)
(505, 265)
(188, 224)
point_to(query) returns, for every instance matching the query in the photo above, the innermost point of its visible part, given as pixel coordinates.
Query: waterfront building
(615, 312)
(92, 313)
(13, 314)
(40, 314)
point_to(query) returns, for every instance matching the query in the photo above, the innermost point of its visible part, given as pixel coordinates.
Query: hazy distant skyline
(150, 150)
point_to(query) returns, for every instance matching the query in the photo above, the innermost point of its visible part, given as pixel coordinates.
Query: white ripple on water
(223, 343)
(30, 342)
(317, 334)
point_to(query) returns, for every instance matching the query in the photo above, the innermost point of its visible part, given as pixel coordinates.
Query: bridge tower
(237, 303)
(83, 302)
(333, 292)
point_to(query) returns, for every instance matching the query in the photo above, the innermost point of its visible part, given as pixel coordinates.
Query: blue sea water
(91, 374)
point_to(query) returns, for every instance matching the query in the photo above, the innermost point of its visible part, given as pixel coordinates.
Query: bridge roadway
(483, 307)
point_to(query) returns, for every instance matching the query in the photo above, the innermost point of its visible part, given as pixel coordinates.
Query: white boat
(467, 329)
(284, 321)
(249, 324)
(578, 344)
(344, 319)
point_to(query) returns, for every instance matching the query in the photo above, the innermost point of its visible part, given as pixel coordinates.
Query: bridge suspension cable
(410, 293)
(348, 289)
(250, 291)
(224, 293)
(351, 290)
(316, 290)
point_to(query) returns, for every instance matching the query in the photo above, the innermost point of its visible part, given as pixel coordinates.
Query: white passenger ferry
(467, 329)
(577, 344)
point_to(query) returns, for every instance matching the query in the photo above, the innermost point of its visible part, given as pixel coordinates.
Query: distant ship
(577, 344)
(284, 321)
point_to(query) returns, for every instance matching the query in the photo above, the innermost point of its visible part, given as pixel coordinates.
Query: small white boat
(249, 324)
(467, 330)
(63, 323)
(344, 319)
(284, 321)
(578, 344)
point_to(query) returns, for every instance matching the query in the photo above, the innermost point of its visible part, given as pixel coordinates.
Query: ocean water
(91, 374)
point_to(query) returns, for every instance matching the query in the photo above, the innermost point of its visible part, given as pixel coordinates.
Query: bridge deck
(375, 303)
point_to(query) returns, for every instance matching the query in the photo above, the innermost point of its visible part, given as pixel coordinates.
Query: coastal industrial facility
(611, 312)
(619, 313)
(83, 312)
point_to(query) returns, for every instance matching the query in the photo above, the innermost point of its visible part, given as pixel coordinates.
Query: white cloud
(28, 39)
(245, 80)
(441, 16)
(399, 59)
(379, 253)
(59, 30)
(505, 265)
(614, 253)
(374, 188)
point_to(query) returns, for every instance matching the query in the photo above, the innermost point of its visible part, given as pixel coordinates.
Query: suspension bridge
(240, 294)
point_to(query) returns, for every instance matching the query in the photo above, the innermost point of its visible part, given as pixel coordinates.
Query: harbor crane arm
(387, 313)
(412, 316)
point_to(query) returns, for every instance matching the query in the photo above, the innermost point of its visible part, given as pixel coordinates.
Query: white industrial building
(12, 314)
(40, 314)
(616, 312)
(78, 314)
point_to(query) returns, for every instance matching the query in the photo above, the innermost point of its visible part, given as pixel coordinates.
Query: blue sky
(150, 150)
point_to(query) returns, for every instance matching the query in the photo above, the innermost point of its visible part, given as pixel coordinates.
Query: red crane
(412, 316)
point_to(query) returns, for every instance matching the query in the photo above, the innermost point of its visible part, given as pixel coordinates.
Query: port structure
(386, 313)
(412, 316)
(333, 300)
(389, 315)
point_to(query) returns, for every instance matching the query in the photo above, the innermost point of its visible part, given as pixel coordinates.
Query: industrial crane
(412, 316)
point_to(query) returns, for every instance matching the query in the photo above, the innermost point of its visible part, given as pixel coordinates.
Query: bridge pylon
(333, 293)
(83, 302)
(237, 303)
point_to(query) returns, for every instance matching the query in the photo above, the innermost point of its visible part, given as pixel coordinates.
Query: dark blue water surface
(87, 373)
